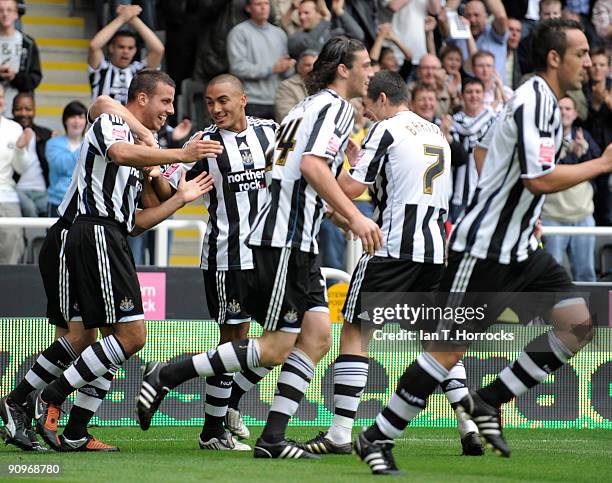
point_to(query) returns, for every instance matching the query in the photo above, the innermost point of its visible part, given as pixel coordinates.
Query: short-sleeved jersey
(110, 80)
(406, 161)
(319, 125)
(105, 188)
(524, 143)
(237, 194)
(468, 131)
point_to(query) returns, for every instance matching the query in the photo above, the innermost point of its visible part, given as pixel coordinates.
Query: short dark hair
(420, 87)
(19, 95)
(146, 81)
(473, 80)
(336, 51)
(74, 108)
(599, 50)
(392, 84)
(227, 78)
(449, 49)
(123, 33)
(482, 53)
(550, 35)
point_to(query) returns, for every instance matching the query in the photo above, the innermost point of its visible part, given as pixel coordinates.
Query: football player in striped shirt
(227, 262)
(105, 286)
(405, 163)
(285, 293)
(493, 250)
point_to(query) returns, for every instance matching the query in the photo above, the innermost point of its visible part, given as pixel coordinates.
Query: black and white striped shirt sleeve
(107, 130)
(329, 129)
(535, 141)
(372, 155)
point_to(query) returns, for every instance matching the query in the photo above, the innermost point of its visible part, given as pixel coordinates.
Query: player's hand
(24, 140)
(197, 149)
(182, 130)
(607, 157)
(146, 138)
(152, 172)
(352, 152)
(368, 232)
(189, 191)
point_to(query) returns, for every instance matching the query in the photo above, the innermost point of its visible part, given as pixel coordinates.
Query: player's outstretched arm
(565, 176)
(318, 175)
(187, 192)
(126, 154)
(107, 105)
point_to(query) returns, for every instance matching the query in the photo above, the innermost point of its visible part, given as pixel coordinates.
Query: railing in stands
(353, 247)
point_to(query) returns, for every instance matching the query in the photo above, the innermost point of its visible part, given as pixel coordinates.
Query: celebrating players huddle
(267, 188)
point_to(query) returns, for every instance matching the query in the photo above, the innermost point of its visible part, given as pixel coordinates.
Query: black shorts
(472, 282)
(383, 274)
(225, 295)
(285, 284)
(103, 273)
(61, 306)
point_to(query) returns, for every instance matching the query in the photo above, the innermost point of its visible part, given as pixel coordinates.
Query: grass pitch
(425, 455)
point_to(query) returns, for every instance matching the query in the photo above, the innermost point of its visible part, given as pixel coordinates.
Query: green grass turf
(172, 455)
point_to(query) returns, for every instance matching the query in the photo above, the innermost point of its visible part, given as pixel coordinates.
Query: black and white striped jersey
(238, 192)
(105, 188)
(110, 80)
(525, 143)
(468, 131)
(319, 125)
(406, 161)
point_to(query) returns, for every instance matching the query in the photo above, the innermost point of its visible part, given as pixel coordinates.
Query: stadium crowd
(460, 59)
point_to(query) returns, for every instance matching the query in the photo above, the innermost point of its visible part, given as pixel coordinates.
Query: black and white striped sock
(218, 391)
(88, 401)
(95, 361)
(350, 379)
(455, 388)
(231, 357)
(295, 375)
(48, 366)
(243, 382)
(542, 356)
(417, 383)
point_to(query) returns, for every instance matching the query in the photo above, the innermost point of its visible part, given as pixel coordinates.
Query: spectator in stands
(386, 55)
(63, 153)
(574, 206)
(492, 37)
(13, 158)
(112, 76)
(258, 56)
(496, 93)
(409, 25)
(513, 69)
(548, 9)
(602, 21)
(598, 93)
(315, 30)
(431, 73)
(469, 126)
(292, 90)
(19, 60)
(452, 63)
(365, 13)
(32, 183)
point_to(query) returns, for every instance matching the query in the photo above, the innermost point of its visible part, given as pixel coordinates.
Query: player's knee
(132, 336)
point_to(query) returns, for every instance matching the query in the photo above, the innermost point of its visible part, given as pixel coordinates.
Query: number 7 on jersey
(433, 170)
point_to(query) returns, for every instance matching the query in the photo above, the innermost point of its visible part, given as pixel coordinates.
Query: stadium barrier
(576, 396)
